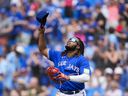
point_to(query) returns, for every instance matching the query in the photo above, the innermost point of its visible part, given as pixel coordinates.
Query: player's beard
(69, 48)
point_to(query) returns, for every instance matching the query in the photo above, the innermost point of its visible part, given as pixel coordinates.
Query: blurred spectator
(114, 90)
(48, 5)
(100, 19)
(14, 64)
(68, 8)
(95, 84)
(125, 13)
(112, 58)
(81, 7)
(2, 73)
(122, 32)
(6, 26)
(118, 76)
(101, 25)
(3, 65)
(113, 16)
(122, 53)
(22, 78)
(121, 6)
(99, 57)
(112, 38)
(14, 93)
(37, 70)
(108, 77)
(29, 26)
(90, 51)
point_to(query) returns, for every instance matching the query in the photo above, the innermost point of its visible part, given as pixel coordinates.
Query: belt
(70, 92)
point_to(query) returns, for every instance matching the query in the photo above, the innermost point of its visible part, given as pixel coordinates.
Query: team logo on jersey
(62, 63)
(74, 68)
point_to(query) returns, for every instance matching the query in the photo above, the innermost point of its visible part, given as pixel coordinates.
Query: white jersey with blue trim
(75, 65)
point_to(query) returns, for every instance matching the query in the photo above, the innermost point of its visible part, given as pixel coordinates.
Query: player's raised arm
(41, 42)
(41, 17)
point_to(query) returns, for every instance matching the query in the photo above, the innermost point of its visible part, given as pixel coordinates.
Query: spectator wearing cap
(14, 64)
(108, 73)
(118, 71)
(16, 2)
(119, 76)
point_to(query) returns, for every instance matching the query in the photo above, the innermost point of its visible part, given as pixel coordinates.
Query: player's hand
(62, 77)
(56, 75)
(41, 30)
(53, 73)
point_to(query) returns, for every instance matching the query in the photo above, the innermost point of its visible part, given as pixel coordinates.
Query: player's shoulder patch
(86, 71)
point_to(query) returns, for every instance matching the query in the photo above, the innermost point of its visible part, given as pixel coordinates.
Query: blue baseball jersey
(75, 65)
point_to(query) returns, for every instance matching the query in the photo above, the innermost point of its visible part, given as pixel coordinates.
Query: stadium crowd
(101, 24)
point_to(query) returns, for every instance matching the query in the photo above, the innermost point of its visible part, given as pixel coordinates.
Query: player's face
(71, 44)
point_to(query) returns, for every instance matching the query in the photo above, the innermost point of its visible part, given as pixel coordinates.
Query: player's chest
(70, 65)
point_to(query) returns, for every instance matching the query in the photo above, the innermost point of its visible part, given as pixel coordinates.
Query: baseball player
(73, 66)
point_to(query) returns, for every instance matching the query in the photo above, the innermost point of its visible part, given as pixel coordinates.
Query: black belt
(70, 92)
